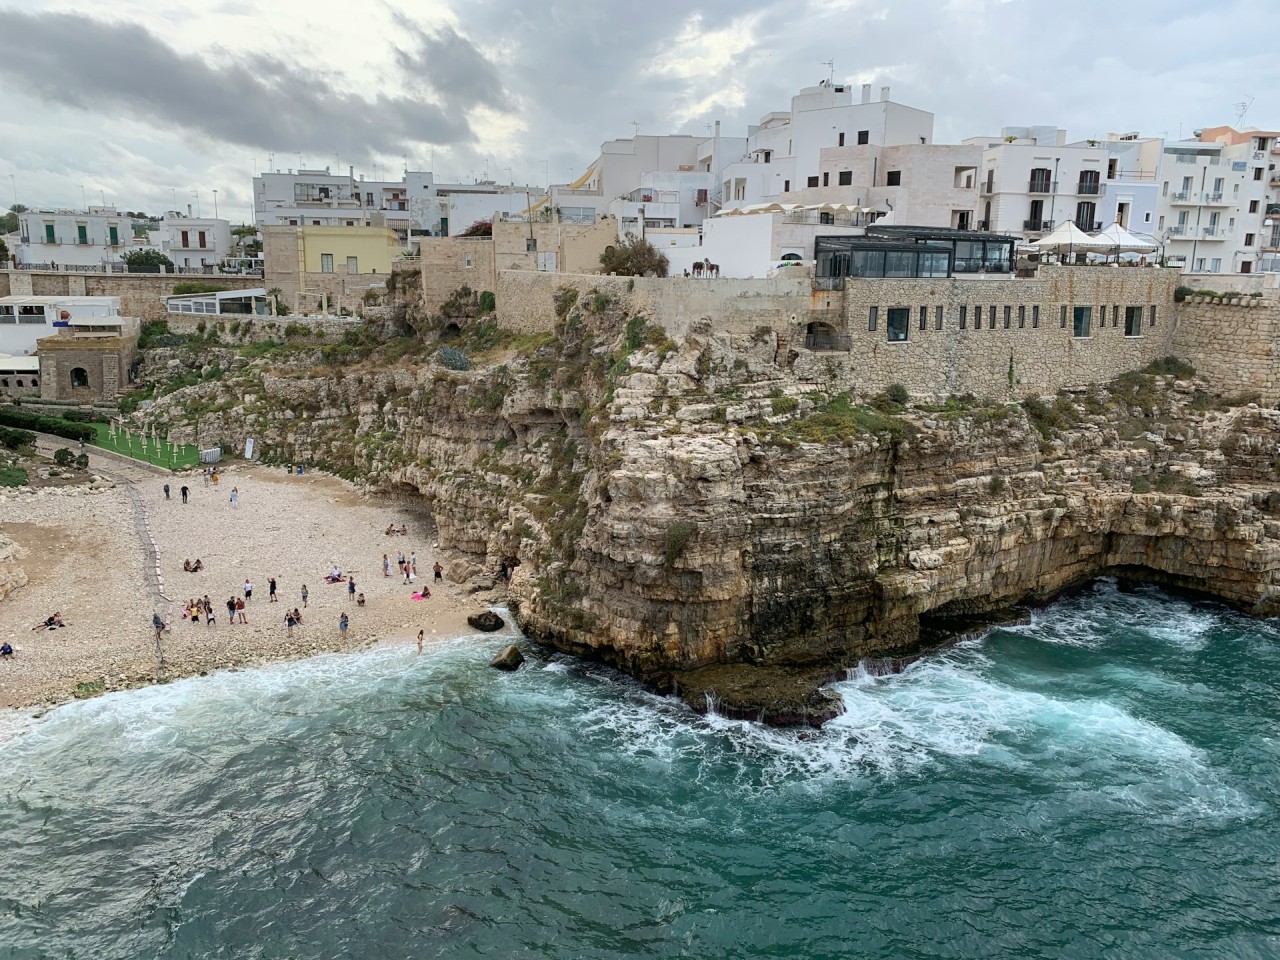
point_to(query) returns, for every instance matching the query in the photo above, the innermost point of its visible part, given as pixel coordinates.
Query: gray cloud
(262, 102)
(452, 66)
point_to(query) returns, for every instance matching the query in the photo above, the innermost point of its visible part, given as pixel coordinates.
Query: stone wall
(1267, 284)
(251, 329)
(448, 263)
(1231, 343)
(106, 361)
(141, 294)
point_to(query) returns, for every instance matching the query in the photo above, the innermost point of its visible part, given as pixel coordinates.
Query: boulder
(486, 620)
(509, 659)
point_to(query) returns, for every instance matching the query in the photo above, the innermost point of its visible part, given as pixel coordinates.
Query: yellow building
(339, 263)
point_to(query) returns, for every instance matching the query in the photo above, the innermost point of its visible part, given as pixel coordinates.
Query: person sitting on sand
(391, 528)
(360, 600)
(297, 616)
(197, 566)
(6, 651)
(404, 531)
(335, 575)
(50, 623)
(186, 566)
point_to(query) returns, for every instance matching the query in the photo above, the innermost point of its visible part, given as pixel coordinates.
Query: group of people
(408, 567)
(392, 530)
(50, 623)
(191, 567)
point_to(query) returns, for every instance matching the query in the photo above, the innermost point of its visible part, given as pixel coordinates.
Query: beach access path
(108, 560)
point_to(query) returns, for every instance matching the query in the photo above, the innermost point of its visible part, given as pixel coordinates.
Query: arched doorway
(823, 336)
(79, 378)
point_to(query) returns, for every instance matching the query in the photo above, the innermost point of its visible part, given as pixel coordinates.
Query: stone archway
(79, 378)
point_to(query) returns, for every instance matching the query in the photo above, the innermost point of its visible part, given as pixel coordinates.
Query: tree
(634, 257)
(9, 221)
(4, 251)
(147, 261)
(481, 228)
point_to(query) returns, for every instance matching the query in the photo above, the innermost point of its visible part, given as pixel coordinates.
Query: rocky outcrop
(486, 621)
(696, 514)
(509, 659)
(12, 576)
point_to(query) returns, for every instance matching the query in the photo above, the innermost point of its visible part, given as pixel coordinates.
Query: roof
(844, 242)
(23, 364)
(20, 299)
(936, 233)
(221, 295)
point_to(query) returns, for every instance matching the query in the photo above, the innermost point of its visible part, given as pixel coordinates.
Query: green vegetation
(454, 359)
(840, 420)
(564, 299)
(15, 439)
(161, 453)
(54, 425)
(147, 261)
(198, 286)
(89, 688)
(488, 302)
(63, 457)
(634, 257)
(897, 393)
(157, 334)
(12, 475)
(1170, 367)
(1181, 293)
(1048, 418)
(677, 541)
(784, 405)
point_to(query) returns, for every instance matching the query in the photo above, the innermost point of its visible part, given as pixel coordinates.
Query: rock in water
(509, 659)
(488, 621)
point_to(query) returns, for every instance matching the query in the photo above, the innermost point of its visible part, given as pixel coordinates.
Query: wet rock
(509, 659)
(777, 696)
(487, 620)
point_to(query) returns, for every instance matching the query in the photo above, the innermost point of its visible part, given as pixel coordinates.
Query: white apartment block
(1032, 181)
(193, 242)
(73, 239)
(1220, 202)
(24, 319)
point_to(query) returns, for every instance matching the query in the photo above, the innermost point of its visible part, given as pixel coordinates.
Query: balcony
(1212, 233)
(983, 225)
(1089, 226)
(1181, 230)
(1216, 200)
(818, 341)
(1037, 226)
(1275, 181)
(1089, 189)
(1042, 186)
(1184, 197)
(828, 283)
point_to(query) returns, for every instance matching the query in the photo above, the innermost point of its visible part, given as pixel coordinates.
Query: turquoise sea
(1101, 783)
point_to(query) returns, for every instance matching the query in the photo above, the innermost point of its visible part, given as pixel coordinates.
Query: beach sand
(84, 556)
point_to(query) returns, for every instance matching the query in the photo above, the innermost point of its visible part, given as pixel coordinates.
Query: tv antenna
(1242, 108)
(831, 70)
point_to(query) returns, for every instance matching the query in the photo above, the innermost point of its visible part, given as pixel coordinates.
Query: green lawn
(161, 453)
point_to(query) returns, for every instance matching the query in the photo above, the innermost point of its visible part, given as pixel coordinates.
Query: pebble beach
(85, 552)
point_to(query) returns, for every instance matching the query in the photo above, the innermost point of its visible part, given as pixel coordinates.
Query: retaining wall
(1232, 343)
(140, 293)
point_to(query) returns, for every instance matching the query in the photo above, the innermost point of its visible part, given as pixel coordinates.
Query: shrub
(14, 439)
(1140, 485)
(898, 394)
(11, 476)
(783, 405)
(63, 457)
(454, 359)
(677, 541)
(295, 330)
(634, 337)
(1181, 293)
(198, 286)
(634, 257)
(58, 427)
(1170, 367)
(564, 299)
(82, 461)
(488, 302)
(481, 228)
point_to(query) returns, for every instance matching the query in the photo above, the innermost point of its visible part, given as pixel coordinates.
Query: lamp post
(215, 204)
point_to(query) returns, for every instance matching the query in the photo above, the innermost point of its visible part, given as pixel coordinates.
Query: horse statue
(697, 269)
(712, 269)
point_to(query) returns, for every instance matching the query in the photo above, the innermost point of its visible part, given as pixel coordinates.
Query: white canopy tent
(1070, 238)
(1120, 240)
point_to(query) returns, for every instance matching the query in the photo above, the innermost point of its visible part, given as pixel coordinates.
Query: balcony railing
(1042, 186)
(1089, 226)
(1212, 233)
(828, 283)
(1182, 196)
(1037, 225)
(829, 219)
(1088, 188)
(1181, 230)
(819, 341)
(1216, 200)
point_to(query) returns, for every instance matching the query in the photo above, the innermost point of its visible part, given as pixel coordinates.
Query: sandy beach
(85, 555)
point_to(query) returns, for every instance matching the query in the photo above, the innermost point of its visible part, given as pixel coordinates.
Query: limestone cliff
(699, 515)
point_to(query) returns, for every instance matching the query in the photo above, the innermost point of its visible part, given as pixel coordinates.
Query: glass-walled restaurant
(912, 252)
(971, 251)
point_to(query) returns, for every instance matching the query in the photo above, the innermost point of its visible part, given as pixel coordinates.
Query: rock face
(509, 659)
(698, 515)
(486, 620)
(11, 575)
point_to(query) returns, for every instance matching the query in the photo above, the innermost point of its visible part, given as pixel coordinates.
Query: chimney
(884, 94)
(351, 173)
(866, 93)
(188, 209)
(717, 129)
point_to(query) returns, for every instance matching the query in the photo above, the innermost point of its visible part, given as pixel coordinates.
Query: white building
(193, 242)
(1220, 201)
(1032, 180)
(24, 320)
(72, 239)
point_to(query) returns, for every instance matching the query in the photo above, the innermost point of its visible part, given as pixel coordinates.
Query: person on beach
(235, 496)
(184, 491)
(231, 609)
(351, 589)
(271, 589)
(386, 566)
(166, 491)
(360, 599)
(289, 623)
(420, 639)
(439, 571)
(343, 623)
(240, 611)
(205, 473)
(186, 566)
(304, 596)
(413, 563)
(6, 651)
(209, 619)
(248, 589)
(400, 561)
(158, 622)
(50, 623)
(297, 616)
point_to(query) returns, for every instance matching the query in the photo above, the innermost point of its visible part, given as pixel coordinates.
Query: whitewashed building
(194, 242)
(71, 239)
(24, 320)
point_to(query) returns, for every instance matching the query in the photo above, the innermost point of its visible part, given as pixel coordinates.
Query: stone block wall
(105, 360)
(1232, 343)
(141, 294)
(448, 263)
(255, 329)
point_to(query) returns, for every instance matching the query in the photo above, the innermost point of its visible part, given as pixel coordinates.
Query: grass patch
(840, 419)
(161, 453)
(13, 476)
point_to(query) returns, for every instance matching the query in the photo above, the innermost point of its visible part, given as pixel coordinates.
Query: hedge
(14, 439)
(58, 427)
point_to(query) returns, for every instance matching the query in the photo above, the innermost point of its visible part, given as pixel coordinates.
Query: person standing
(386, 566)
(184, 491)
(289, 623)
(166, 491)
(304, 596)
(351, 588)
(420, 639)
(439, 572)
(240, 611)
(235, 496)
(343, 623)
(248, 589)
(158, 623)
(231, 610)
(205, 473)
(413, 563)
(271, 589)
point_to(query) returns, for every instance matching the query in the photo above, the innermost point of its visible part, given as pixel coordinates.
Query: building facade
(73, 239)
(24, 320)
(192, 242)
(322, 267)
(89, 359)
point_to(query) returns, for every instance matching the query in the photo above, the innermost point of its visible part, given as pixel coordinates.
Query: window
(531, 245)
(1008, 317)
(202, 243)
(924, 318)
(964, 317)
(1248, 239)
(786, 186)
(1081, 320)
(813, 181)
(113, 236)
(937, 318)
(991, 317)
(841, 143)
(864, 136)
(899, 321)
(1151, 322)
(846, 178)
(326, 263)
(353, 265)
(1164, 190)
(1041, 180)
(977, 318)
(79, 378)
(1084, 215)
(826, 178)
(1133, 321)
(1215, 265)
(49, 235)
(893, 178)
(1253, 206)
(1062, 316)
(1257, 173)
(82, 233)
(1022, 317)
(1246, 266)
(872, 314)
(18, 383)
(469, 261)
(1035, 316)
(35, 383)
(186, 239)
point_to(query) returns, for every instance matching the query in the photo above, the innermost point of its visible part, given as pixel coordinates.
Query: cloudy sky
(149, 103)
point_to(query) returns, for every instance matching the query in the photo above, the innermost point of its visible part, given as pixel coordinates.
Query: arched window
(79, 377)
(4, 382)
(19, 383)
(792, 256)
(35, 383)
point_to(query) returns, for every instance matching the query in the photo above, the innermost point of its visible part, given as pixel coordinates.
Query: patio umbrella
(1119, 240)
(1067, 236)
